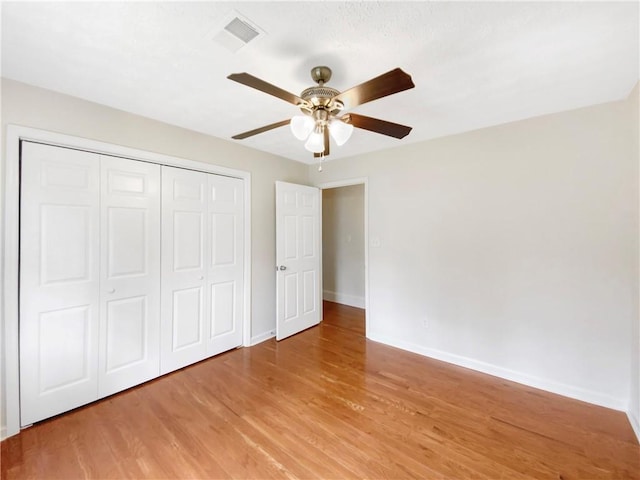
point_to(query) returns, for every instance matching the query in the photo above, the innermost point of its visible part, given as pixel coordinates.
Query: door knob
(111, 290)
(201, 278)
(282, 267)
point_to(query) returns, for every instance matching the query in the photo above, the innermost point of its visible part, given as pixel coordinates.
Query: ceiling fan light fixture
(323, 108)
(302, 126)
(340, 131)
(315, 143)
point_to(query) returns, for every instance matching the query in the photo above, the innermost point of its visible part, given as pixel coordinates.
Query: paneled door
(184, 268)
(128, 270)
(130, 274)
(298, 258)
(202, 266)
(225, 262)
(59, 280)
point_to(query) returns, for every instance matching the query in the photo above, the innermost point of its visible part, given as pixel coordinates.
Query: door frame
(347, 183)
(11, 240)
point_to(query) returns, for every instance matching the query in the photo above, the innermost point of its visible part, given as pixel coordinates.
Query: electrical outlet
(425, 323)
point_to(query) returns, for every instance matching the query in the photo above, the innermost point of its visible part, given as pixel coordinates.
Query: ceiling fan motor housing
(319, 96)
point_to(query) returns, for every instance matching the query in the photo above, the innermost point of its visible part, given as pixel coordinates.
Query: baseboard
(343, 298)
(263, 337)
(565, 390)
(3, 432)
(635, 424)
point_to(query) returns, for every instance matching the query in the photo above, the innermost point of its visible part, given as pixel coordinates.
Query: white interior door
(184, 268)
(59, 280)
(130, 274)
(225, 270)
(298, 258)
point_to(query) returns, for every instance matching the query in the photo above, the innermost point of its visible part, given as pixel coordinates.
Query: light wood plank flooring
(327, 403)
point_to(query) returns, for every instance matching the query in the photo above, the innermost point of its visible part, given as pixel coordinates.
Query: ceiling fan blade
(266, 128)
(376, 125)
(326, 145)
(386, 84)
(254, 82)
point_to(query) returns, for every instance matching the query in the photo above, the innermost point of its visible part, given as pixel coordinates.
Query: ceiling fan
(324, 108)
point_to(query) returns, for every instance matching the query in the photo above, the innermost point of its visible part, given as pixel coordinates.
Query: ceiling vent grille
(236, 31)
(242, 30)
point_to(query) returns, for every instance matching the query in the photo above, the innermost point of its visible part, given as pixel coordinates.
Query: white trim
(635, 370)
(58, 139)
(17, 133)
(263, 337)
(320, 269)
(246, 324)
(635, 423)
(11, 216)
(347, 183)
(566, 390)
(343, 298)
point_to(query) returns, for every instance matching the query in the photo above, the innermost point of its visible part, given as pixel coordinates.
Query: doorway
(344, 249)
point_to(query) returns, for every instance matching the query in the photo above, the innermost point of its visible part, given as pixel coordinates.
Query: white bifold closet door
(202, 266)
(129, 274)
(59, 280)
(89, 277)
(128, 270)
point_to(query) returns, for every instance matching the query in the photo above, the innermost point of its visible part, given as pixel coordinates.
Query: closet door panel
(59, 280)
(184, 260)
(225, 268)
(130, 274)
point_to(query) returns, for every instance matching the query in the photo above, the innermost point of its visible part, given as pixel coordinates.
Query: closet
(128, 270)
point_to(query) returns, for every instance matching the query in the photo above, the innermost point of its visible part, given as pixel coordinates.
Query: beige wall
(511, 249)
(34, 107)
(343, 245)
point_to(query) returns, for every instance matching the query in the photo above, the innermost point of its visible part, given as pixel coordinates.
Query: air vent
(236, 31)
(242, 30)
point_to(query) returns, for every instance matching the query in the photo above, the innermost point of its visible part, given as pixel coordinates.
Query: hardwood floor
(327, 403)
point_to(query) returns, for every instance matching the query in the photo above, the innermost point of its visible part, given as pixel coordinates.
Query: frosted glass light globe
(340, 131)
(301, 126)
(315, 143)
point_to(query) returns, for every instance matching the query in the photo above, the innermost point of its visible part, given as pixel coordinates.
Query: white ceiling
(475, 64)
